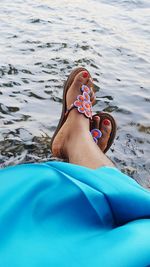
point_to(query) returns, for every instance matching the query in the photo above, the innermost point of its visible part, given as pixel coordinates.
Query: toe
(91, 86)
(84, 77)
(96, 122)
(75, 89)
(81, 78)
(105, 128)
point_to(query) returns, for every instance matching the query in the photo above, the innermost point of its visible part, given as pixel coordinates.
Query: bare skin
(105, 129)
(74, 140)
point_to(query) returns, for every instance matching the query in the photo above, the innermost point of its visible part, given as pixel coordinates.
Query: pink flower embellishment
(85, 89)
(83, 104)
(96, 133)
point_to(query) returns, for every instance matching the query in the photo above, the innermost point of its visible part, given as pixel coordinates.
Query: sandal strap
(84, 106)
(68, 110)
(82, 103)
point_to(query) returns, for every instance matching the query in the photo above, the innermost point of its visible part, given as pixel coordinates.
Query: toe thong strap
(96, 134)
(83, 103)
(84, 106)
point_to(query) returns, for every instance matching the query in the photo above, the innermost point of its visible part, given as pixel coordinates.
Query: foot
(104, 125)
(74, 121)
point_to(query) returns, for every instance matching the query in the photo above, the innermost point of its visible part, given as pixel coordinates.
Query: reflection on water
(41, 42)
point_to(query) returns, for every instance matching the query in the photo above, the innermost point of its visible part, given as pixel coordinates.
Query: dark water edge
(40, 44)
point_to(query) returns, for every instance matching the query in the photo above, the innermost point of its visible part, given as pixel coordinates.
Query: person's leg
(74, 140)
(79, 146)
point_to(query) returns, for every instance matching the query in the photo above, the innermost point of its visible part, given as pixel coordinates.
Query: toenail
(106, 122)
(85, 74)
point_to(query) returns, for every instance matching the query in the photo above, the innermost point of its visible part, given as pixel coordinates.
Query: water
(41, 41)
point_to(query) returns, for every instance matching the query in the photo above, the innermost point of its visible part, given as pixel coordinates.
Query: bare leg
(80, 147)
(74, 140)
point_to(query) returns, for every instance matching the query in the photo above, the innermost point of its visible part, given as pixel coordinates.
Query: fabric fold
(60, 214)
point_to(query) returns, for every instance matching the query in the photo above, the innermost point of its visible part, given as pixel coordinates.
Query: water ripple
(42, 42)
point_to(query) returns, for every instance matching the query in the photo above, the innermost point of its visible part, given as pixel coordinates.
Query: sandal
(96, 133)
(82, 103)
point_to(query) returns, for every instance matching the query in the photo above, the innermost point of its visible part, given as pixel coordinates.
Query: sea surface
(41, 41)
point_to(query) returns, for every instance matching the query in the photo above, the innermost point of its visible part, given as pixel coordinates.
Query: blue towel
(58, 214)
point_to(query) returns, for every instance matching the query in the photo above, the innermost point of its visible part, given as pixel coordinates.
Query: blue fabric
(63, 215)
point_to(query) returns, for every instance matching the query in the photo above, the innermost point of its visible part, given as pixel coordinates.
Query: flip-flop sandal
(64, 112)
(96, 133)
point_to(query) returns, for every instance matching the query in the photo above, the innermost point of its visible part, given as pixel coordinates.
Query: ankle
(78, 121)
(75, 140)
